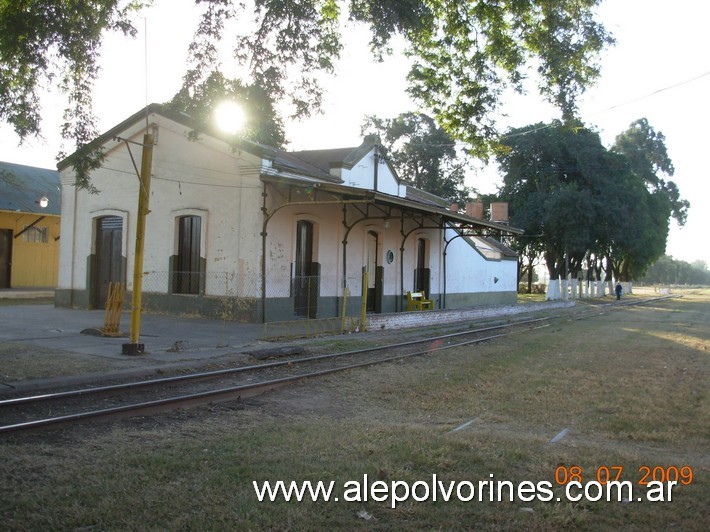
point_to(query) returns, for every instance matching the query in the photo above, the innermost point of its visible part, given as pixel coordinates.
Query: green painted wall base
(455, 301)
(277, 309)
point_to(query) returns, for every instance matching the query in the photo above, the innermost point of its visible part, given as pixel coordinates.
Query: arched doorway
(375, 272)
(305, 274)
(109, 257)
(422, 272)
(187, 277)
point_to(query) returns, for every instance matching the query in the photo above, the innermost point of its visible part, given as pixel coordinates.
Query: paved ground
(166, 338)
(69, 334)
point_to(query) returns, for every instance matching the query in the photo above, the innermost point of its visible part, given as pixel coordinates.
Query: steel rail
(243, 390)
(247, 390)
(241, 369)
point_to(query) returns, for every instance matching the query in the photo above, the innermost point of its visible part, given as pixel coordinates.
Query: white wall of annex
(467, 271)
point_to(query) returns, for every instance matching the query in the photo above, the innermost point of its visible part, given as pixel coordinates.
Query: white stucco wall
(468, 271)
(188, 178)
(362, 175)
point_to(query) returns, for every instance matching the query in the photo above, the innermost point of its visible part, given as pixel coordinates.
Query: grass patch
(629, 386)
(531, 298)
(20, 361)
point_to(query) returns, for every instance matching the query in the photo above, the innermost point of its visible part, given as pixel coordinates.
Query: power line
(616, 106)
(658, 91)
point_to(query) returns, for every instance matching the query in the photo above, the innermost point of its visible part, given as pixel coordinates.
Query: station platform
(42, 346)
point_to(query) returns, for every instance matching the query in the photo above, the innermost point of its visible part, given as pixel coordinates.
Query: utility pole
(135, 348)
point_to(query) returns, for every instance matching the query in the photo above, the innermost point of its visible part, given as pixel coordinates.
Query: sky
(659, 69)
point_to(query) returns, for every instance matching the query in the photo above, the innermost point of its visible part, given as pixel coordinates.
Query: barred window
(36, 234)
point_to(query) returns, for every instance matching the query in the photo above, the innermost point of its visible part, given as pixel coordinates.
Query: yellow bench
(417, 301)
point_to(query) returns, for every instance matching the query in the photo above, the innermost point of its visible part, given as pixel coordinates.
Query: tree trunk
(553, 287)
(530, 279)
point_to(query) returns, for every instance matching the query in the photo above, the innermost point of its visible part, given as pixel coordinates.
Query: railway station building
(245, 231)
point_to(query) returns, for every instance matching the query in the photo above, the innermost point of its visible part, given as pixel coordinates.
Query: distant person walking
(619, 289)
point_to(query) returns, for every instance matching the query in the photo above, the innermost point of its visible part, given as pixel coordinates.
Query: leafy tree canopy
(667, 270)
(42, 42)
(464, 53)
(578, 201)
(424, 153)
(262, 123)
(646, 151)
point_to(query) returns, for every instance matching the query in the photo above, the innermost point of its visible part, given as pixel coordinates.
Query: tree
(262, 123)
(465, 52)
(583, 205)
(422, 153)
(647, 157)
(647, 154)
(40, 40)
(667, 271)
(553, 178)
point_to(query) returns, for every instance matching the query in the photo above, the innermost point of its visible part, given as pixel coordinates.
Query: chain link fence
(216, 284)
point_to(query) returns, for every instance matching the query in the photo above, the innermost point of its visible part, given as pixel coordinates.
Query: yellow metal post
(134, 348)
(363, 309)
(345, 310)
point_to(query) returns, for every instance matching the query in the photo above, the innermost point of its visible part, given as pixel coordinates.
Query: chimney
(475, 210)
(454, 207)
(499, 211)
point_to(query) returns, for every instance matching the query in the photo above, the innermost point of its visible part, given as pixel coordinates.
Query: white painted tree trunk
(553, 290)
(628, 288)
(564, 293)
(601, 289)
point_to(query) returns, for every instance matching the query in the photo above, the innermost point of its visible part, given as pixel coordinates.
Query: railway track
(48, 410)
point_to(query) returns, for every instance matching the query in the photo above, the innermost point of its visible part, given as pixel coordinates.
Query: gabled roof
(492, 248)
(324, 160)
(312, 163)
(320, 163)
(301, 163)
(22, 186)
(255, 148)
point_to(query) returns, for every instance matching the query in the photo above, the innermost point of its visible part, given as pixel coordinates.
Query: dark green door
(5, 257)
(305, 281)
(109, 257)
